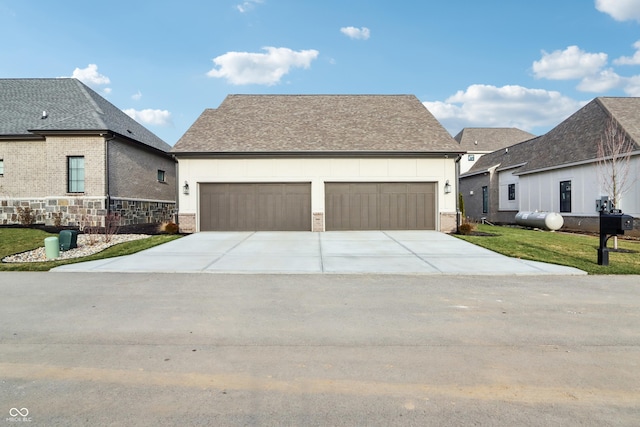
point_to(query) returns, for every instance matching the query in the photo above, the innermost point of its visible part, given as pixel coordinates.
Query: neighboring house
(556, 172)
(480, 141)
(66, 152)
(316, 163)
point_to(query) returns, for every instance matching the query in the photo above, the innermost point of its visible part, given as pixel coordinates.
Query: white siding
(541, 191)
(504, 179)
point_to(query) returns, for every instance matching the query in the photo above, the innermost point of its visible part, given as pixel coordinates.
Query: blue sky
(483, 63)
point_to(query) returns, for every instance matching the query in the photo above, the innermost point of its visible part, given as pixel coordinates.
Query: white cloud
(630, 60)
(137, 96)
(506, 106)
(632, 87)
(604, 81)
(248, 5)
(149, 116)
(90, 76)
(571, 63)
(620, 10)
(356, 33)
(242, 68)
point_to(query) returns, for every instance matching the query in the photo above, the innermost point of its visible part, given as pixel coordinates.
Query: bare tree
(614, 161)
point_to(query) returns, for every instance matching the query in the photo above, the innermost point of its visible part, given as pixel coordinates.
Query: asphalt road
(303, 350)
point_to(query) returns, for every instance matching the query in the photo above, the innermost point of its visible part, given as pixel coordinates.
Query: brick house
(66, 152)
(316, 163)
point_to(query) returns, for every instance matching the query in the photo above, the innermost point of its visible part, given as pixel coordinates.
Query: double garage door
(287, 206)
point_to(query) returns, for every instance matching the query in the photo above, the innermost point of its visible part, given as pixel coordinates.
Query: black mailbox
(615, 223)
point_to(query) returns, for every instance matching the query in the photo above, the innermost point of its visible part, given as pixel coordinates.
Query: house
(558, 171)
(73, 158)
(316, 163)
(480, 141)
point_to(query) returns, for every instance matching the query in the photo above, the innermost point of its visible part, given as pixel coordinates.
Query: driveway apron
(338, 252)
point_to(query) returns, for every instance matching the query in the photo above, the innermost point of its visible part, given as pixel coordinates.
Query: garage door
(380, 206)
(255, 207)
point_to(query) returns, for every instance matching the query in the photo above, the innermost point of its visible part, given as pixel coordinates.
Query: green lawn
(574, 250)
(16, 240)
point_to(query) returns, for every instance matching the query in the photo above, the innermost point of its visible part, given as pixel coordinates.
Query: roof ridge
(97, 111)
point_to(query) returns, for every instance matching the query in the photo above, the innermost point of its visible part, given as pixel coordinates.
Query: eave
(317, 154)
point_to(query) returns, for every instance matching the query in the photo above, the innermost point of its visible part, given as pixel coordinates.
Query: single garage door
(380, 206)
(255, 207)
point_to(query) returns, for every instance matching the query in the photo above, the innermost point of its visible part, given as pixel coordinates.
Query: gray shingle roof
(572, 141)
(70, 106)
(317, 123)
(490, 139)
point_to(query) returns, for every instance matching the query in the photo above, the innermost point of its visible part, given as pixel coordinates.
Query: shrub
(26, 216)
(466, 228)
(57, 219)
(169, 227)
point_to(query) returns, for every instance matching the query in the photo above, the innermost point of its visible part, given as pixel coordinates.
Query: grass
(573, 250)
(16, 240)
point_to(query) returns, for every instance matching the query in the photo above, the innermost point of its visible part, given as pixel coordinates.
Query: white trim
(129, 199)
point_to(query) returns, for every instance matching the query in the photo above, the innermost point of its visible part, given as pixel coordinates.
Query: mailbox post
(612, 223)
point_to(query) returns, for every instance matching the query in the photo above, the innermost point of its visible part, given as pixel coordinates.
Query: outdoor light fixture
(185, 188)
(447, 187)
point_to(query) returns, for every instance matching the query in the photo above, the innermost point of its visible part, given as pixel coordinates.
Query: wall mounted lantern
(185, 188)
(447, 187)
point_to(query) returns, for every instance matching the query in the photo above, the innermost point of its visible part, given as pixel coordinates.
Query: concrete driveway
(359, 252)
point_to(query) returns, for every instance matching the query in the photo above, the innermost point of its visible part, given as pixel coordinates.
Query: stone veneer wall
(87, 211)
(133, 212)
(75, 211)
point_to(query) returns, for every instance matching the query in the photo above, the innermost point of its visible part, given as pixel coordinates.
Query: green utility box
(52, 247)
(68, 239)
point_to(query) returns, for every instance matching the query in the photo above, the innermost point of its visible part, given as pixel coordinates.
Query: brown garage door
(380, 206)
(255, 207)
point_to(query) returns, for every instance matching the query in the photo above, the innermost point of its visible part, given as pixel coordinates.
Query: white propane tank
(548, 220)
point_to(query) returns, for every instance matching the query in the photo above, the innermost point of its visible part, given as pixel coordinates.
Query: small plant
(168, 227)
(111, 226)
(466, 228)
(57, 219)
(461, 203)
(26, 216)
(89, 230)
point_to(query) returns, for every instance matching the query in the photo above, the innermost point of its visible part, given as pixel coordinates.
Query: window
(471, 157)
(160, 175)
(75, 174)
(512, 191)
(1, 167)
(485, 199)
(565, 196)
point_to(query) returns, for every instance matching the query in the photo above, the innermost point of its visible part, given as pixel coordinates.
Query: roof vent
(476, 142)
(44, 115)
(129, 130)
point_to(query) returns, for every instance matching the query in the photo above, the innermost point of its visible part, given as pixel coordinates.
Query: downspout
(106, 168)
(458, 213)
(177, 171)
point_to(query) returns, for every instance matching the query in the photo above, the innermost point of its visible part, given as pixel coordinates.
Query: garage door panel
(380, 206)
(255, 207)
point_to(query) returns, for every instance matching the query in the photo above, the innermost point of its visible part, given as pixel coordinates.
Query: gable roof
(575, 140)
(490, 139)
(70, 106)
(317, 124)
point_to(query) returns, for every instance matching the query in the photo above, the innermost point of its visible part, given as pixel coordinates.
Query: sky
(473, 63)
